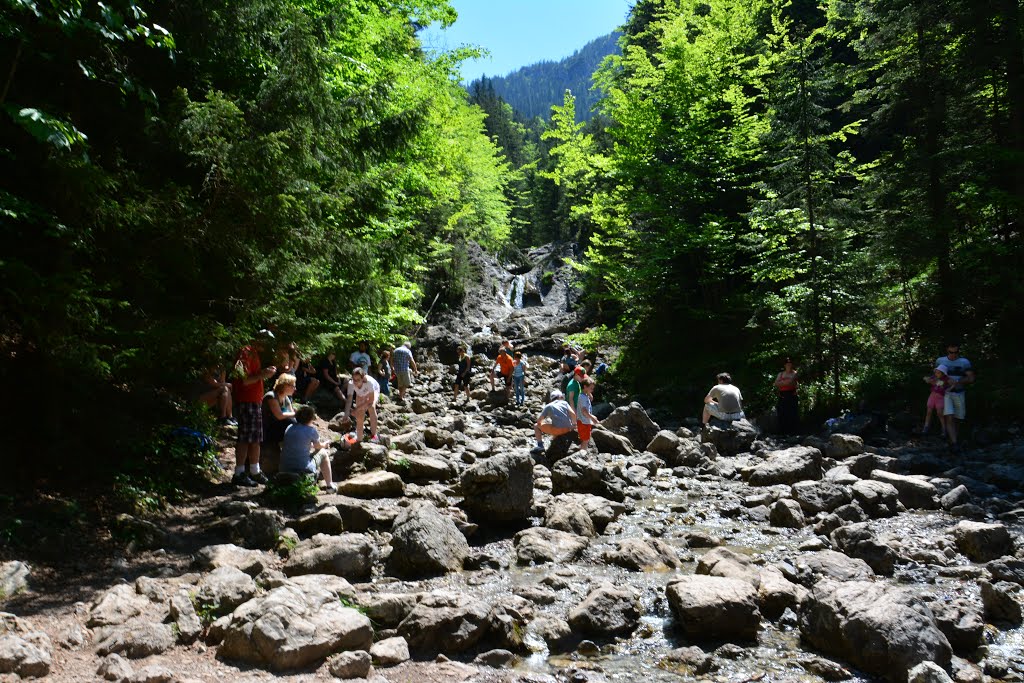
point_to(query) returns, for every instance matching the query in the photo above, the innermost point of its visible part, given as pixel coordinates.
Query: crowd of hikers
(281, 419)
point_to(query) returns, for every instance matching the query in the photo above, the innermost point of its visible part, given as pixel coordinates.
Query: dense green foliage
(178, 174)
(534, 89)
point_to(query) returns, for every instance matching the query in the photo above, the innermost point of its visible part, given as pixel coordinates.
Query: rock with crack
(857, 540)
(134, 640)
(579, 474)
(913, 491)
(602, 511)
(499, 489)
(607, 611)
(252, 562)
(388, 609)
(643, 555)
(960, 620)
(786, 513)
(983, 542)
(877, 498)
(226, 588)
(27, 656)
(183, 615)
(324, 521)
(819, 496)
(787, 466)
(842, 446)
(13, 578)
(665, 445)
(609, 442)
(712, 607)
(632, 422)
(347, 555)
(373, 485)
(390, 651)
(1003, 602)
(775, 593)
(540, 545)
(445, 622)
(116, 606)
(258, 529)
(884, 631)
(568, 515)
(351, 665)
(289, 628)
(425, 542)
(730, 437)
(421, 468)
(829, 564)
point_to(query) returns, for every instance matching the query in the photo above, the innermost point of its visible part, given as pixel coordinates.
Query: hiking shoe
(331, 488)
(374, 439)
(259, 478)
(242, 479)
(537, 449)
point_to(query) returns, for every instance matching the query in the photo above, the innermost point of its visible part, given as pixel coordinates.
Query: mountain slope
(533, 89)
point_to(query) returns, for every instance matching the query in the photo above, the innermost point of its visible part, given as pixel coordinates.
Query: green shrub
(293, 494)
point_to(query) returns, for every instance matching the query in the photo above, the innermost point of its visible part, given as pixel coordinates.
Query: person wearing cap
(248, 376)
(503, 366)
(405, 368)
(557, 418)
(724, 400)
(960, 374)
(361, 396)
(787, 408)
(940, 382)
(572, 389)
(361, 358)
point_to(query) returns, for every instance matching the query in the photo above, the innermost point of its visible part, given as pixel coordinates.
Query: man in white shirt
(724, 401)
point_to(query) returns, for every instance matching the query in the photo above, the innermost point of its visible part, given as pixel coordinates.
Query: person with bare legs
(557, 418)
(960, 374)
(724, 401)
(463, 372)
(303, 453)
(248, 376)
(405, 368)
(585, 420)
(364, 392)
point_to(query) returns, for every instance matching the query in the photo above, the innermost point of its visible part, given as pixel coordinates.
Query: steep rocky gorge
(452, 554)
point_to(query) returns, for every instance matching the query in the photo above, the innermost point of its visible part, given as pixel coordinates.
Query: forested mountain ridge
(532, 90)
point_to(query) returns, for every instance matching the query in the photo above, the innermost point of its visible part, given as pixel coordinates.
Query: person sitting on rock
(302, 452)
(585, 420)
(724, 401)
(328, 375)
(463, 373)
(214, 390)
(361, 398)
(557, 418)
(361, 358)
(306, 382)
(278, 411)
(503, 366)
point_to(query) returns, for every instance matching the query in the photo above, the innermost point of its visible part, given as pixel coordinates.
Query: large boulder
(445, 622)
(347, 555)
(135, 639)
(252, 562)
(225, 588)
(829, 564)
(256, 529)
(729, 437)
(609, 442)
(601, 510)
(292, 628)
(877, 498)
(842, 446)
(569, 515)
(421, 468)
(665, 445)
(885, 631)
(579, 474)
(961, 621)
(775, 593)
(116, 606)
(786, 513)
(1003, 602)
(914, 491)
(539, 545)
(983, 542)
(643, 554)
(819, 496)
(499, 489)
(632, 422)
(607, 611)
(324, 521)
(27, 656)
(787, 467)
(373, 485)
(425, 542)
(712, 607)
(856, 540)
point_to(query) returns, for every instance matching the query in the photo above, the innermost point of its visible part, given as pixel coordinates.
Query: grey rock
(928, 672)
(609, 442)
(885, 631)
(957, 496)
(373, 485)
(13, 578)
(252, 562)
(877, 498)
(388, 609)
(390, 651)
(341, 588)
(425, 542)
(712, 607)
(787, 466)
(183, 614)
(134, 640)
(914, 491)
(843, 446)
(1003, 602)
(690, 660)
(961, 622)
(539, 545)
(225, 588)
(633, 422)
(445, 622)
(347, 555)
(829, 564)
(555, 632)
(639, 554)
(607, 611)
(786, 513)
(602, 511)
(665, 444)
(499, 489)
(324, 521)
(27, 657)
(289, 628)
(116, 606)
(421, 468)
(154, 673)
(819, 496)
(257, 529)
(579, 474)
(1007, 569)
(730, 438)
(775, 593)
(569, 515)
(352, 664)
(856, 540)
(496, 659)
(983, 542)
(114, 668)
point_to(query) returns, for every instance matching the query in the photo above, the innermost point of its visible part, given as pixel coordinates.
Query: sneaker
(242, 479)
(374, 439)
(539, 448)
(232, 422)
(331, 488)
(259, 478)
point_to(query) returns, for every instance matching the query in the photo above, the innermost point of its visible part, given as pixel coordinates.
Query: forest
(838, 182)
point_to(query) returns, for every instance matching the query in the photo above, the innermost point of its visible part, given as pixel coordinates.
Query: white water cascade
(515, 292)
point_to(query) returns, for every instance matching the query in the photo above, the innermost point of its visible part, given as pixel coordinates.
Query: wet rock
(360, 515)
(510, 617)
(1007, 569)
(665, 445)
(225, 588)
(324, 521)
(570, 516)
(914, 492)
(410, 442)
(347, 555)
(957, 496)
(555, 632)
(606, 611)
(842, 446)
(966, 672)
(134, 640)
(699, 539)
(499, 489)
(13, 578)
(638, 554)
(114, 668)
(445, 622)
(775, 593)
(711, 607)
(633, 422)
(390, 651)
(885, 631)
(116, 606)
(928, 672)
(828, 564)
(183, 614)
(961, 622)
(388, 609)
(28, 656)
(289, 628)
(609, 442)
(1003, 602)
(730, 438)
(786, 513)
(692, 660)
(602, 511)
(496, 659)
(787, 467)
(982, 542)
(373, 485)
(819, 496)
(539, 545)
(876, 498)
(579, 474)
(353, 664)
(252, 562)
(425, 542)
(826, 669)
(856, 540)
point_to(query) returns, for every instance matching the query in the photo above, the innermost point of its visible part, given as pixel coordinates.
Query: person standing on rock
(405, 367)
(361, 396)
(585, 420)
(960, 374)
(787, 408)
(247, 377)
(296, 456)
(519, 369)
(503, 366)
(567, 366)
(724, 401)
(557, 418)
(463, 373)
(384, 372)
(572, 389)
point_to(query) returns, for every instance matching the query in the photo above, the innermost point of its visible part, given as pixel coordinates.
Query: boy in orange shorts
(585, 419)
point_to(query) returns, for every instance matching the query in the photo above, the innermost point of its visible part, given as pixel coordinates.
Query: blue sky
(521, 32)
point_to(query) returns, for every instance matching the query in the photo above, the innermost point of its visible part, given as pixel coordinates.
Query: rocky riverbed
(452, 554)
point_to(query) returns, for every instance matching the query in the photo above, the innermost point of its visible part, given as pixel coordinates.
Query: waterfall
(515, 292)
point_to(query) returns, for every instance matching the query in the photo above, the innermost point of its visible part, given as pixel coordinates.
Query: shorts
(955, 404)
(584, 431)
(403, 379)
(937, 401)
(461, 381)
(715, 410)
(250, 422)
(317, 459)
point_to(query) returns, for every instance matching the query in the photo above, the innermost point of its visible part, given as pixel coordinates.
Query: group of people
(571, 408)
(947, 399)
